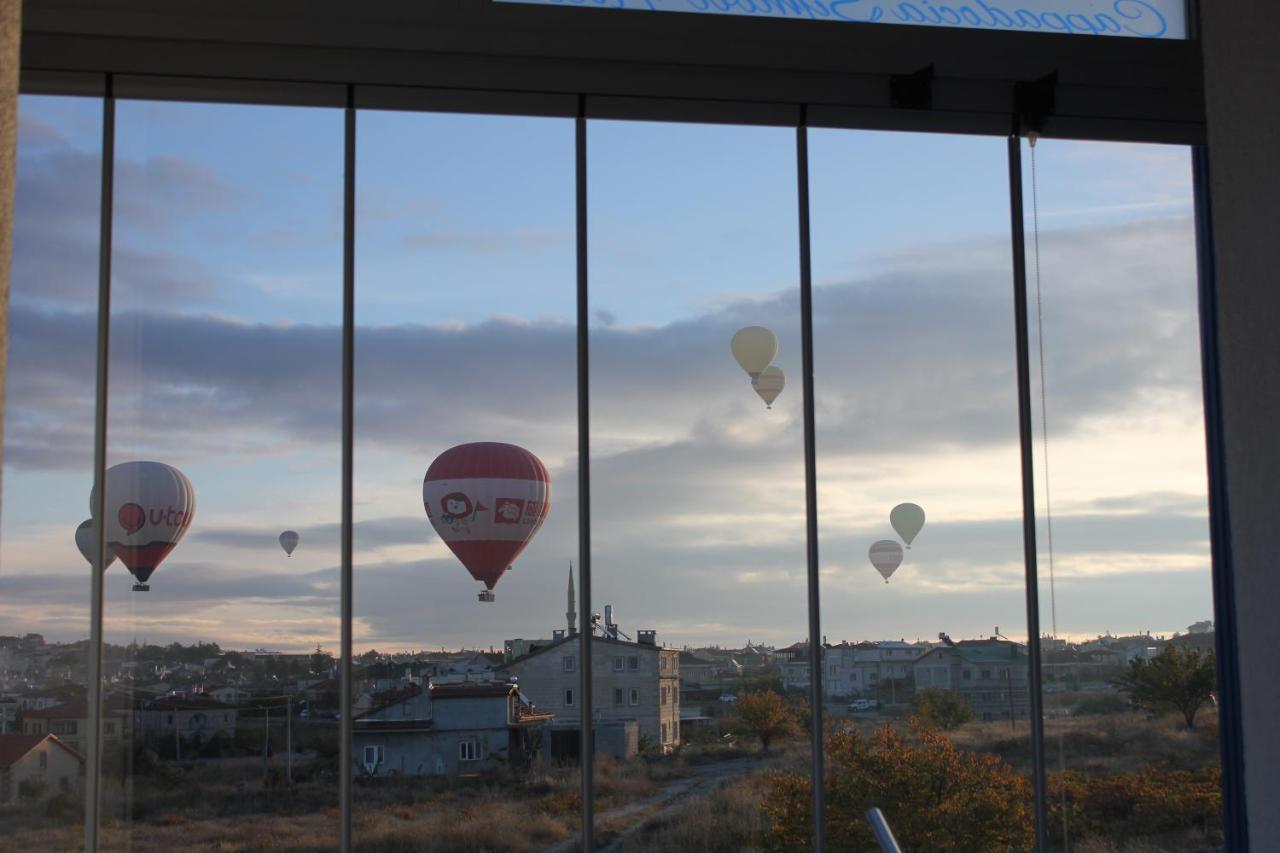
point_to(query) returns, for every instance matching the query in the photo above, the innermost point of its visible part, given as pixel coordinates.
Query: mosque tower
(571, 615)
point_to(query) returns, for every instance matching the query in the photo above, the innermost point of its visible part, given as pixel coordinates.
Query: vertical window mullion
(346, 728)
(1018, 240)
(586, 748)
(810, 481)
(93, 769)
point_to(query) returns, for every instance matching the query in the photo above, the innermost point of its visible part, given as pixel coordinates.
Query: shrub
(1103, 703)
(765, 715)
(942, 709)
(935, 797)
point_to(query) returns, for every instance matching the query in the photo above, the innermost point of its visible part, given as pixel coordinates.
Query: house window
(44, 761)
(618, 664)
(968, 675)
(568, 698)
(633, 662)
(635, 696)
(468, 750)
(986, 674)
(570, 663)
(617, 695)
(373, 756)
(664, 732)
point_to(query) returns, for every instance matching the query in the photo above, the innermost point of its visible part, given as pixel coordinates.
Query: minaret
(571, 615)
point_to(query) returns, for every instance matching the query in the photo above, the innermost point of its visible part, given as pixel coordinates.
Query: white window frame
(634, 695)
(469, 749)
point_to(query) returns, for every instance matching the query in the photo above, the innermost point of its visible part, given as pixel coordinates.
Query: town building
(38, 765)
(448, 729)
(637, 681)
(871, 670)
(192, 719)
(991, 675)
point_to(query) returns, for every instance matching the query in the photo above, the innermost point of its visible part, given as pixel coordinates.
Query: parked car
(863, 705)
(729, 698)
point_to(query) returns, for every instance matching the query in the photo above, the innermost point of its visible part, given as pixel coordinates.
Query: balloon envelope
(886, 556)
(907, 520)
(487, 500)
(289, 541)
(84, 541)
(754, 348)
(149, 508)
(770, 384)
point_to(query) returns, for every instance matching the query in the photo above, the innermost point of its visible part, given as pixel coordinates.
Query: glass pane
(1126, 18)
(465, 407)
(1125, 594)
(224, 433)
(48, 471)
(919, 490)
(698, 504)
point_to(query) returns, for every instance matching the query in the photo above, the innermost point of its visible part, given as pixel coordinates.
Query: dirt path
(671, 797)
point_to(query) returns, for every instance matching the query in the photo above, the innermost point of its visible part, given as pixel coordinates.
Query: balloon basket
(486, 595)
(142, 587)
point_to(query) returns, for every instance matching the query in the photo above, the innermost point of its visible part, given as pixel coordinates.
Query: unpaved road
(670, 798)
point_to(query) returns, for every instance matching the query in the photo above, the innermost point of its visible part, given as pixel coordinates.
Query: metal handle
(884, 835)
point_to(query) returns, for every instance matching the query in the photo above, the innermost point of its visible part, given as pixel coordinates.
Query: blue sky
(226, 355)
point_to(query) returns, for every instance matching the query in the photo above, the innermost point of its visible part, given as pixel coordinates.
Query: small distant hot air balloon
(754, 347)
(770, 384)
(487, 500)
(886, 556)
(289, 541)
(84, 541)
(907, 520)
(149, 508)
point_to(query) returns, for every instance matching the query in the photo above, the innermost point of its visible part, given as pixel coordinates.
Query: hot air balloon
(149, 507)
(907, 520)
(754, 347)
(289, 541)
(886, 556)
(487, 500)
(770, 384)
(84, 541)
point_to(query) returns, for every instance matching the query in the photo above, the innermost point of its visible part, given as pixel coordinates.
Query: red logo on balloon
(132, 517)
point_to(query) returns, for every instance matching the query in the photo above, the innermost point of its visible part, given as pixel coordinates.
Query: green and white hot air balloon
(907, 520)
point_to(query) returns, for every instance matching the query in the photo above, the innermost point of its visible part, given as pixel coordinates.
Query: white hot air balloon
(886, 556)
(754, 347)
(84, 541)
(149, 508)
(289, 541)
(770, 384)
(908, 521)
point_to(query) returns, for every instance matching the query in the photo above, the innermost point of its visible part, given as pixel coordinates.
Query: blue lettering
(1138, 13)
(874, 15)
(1028, 19)
(936, 19)
(1081, 23)
(1108, 24)
(1061, 24)
(993, 12)
(947, 10)
(970, 17)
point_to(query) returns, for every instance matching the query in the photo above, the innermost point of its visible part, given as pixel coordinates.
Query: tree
(942, 709)
(1180, 679)
(935, 796)
(765, 715)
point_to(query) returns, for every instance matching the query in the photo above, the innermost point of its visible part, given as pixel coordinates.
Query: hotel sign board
(1154, 19)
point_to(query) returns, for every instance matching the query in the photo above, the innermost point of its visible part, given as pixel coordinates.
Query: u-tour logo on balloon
(150, 505)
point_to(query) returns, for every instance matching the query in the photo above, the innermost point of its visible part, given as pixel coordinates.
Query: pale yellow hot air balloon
(770, 384)
(754, 347)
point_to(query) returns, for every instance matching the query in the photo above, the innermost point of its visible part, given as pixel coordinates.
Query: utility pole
(288, 738)
(177, 740)
(266, 742)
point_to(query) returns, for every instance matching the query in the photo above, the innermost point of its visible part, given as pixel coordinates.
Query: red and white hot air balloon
(149, 507)
(487, 500)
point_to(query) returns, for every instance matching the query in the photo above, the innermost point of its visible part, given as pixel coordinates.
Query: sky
(226, 359)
